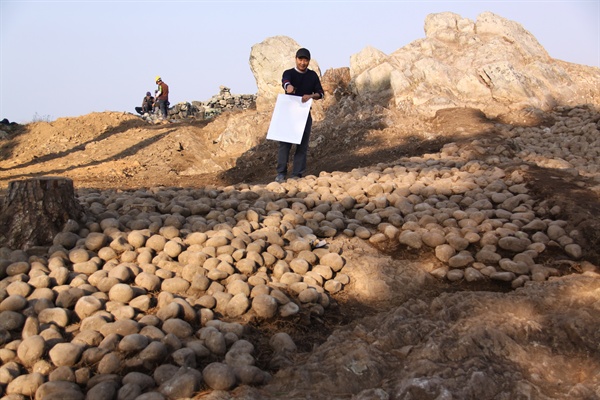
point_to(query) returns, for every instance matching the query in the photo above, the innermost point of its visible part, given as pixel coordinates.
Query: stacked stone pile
(224, 101)
(149, 299)
(572, 143)
(6, 127)
(142, 290)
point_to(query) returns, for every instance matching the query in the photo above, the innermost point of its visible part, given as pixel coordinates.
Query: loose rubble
(200, 110)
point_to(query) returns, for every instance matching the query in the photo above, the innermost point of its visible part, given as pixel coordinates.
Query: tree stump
(35, 210)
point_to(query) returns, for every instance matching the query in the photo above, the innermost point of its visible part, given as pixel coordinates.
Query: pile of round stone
(136, 304)
(572, 143)
(148, 300)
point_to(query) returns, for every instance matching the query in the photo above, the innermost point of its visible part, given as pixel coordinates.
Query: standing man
(303, 82)
(162, 97)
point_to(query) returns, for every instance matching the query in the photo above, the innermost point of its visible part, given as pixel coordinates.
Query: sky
(70, 58)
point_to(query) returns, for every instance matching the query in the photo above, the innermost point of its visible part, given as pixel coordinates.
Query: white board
(289, 119)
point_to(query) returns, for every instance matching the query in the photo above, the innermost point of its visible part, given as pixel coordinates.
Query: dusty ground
(120, 151)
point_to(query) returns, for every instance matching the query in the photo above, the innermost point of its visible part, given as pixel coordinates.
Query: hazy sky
(70, 58)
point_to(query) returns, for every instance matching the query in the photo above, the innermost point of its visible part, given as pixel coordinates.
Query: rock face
(492, 64)
(268, 60)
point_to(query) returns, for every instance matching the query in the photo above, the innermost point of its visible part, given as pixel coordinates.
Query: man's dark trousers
(162, 105)
(299, 165)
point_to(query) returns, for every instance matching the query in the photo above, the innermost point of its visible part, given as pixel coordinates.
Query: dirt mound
(110, 149)
(38, 139)
(105, 150)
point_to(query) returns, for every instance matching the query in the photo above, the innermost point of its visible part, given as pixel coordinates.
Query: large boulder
(366, 59)
(336, 84)
(493, 64)
(268, 60)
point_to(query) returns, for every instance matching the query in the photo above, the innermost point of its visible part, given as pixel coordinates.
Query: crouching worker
(147, 104)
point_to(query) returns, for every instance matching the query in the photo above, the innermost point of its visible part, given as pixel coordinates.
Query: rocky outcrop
(493, 64)
(336, 84)
(369, 70)
(268, 60)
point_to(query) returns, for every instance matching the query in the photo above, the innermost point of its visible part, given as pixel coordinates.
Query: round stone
(264, 305)
(219, 376)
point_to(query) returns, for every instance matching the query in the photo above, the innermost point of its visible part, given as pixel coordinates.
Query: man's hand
(306, 97)
(290, 89)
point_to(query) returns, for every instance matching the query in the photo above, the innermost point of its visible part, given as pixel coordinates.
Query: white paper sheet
(289, 119)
